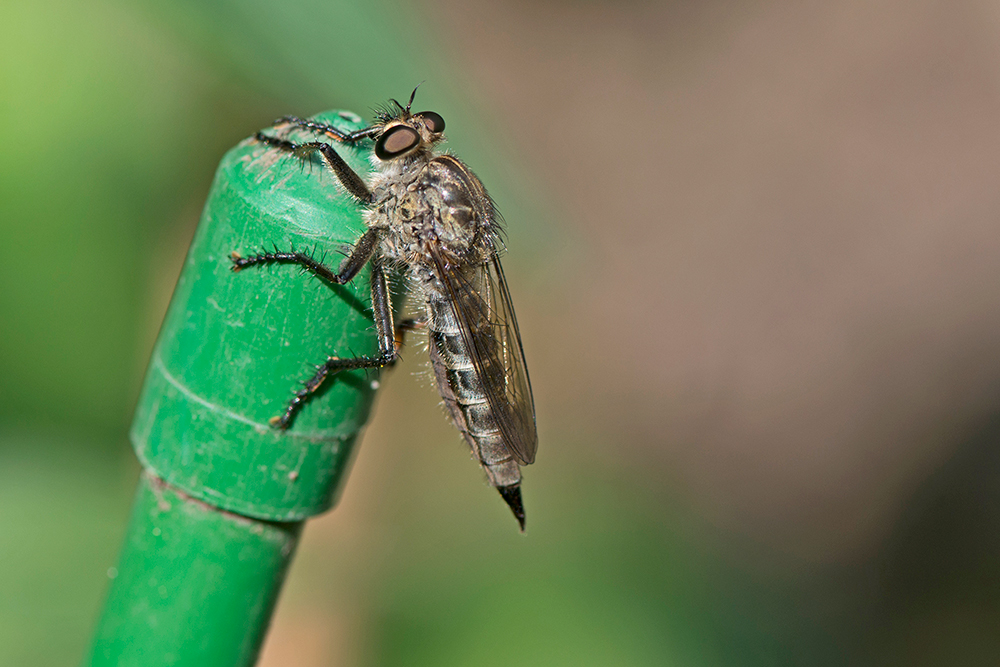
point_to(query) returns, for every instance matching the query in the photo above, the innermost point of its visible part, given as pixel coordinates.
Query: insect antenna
(409, 104)
(412, 95)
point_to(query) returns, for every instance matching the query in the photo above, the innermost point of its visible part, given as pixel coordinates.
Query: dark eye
(434, 121)
(396, 141)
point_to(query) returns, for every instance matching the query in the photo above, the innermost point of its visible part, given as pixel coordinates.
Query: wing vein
(485, 315)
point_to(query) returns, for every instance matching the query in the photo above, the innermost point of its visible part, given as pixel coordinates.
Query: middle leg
(359, 256)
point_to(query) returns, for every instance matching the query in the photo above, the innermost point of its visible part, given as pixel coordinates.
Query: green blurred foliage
(63, 513)
(114, 116)
(111, 131)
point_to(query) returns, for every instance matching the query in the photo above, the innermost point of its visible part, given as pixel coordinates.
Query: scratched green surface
(234, 346)
(193, 585)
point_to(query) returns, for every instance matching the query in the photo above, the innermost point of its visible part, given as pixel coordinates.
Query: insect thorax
(434, 203)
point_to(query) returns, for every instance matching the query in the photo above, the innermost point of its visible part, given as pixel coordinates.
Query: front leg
(382, 312)
(347, 176)
(329, 130)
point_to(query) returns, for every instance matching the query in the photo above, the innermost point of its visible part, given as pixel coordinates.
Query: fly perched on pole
(430, 218)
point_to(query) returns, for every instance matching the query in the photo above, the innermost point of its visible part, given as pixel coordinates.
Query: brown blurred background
(754, 252)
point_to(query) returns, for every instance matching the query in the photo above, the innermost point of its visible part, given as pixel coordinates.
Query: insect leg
(329, 130)
(349, 268)
(410, 324)
(382, 311)
(347, 176)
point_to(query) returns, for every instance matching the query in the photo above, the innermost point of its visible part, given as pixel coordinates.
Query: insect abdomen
(464, 395)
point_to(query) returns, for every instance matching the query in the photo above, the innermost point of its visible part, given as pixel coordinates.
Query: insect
(429, 217)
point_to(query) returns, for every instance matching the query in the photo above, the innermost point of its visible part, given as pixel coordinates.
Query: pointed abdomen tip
(512, 496)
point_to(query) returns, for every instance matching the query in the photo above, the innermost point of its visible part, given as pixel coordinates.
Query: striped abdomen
(463, 393)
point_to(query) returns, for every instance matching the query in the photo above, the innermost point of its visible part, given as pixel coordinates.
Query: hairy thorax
(431, 205)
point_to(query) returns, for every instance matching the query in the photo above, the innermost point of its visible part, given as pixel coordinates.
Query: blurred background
(754, 252)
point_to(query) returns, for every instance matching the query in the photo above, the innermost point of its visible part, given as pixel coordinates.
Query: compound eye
(433, 120)
(396, 141)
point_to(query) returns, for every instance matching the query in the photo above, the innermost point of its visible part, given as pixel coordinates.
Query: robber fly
(430, 218)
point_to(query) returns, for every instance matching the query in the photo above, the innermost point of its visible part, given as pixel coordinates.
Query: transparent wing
(489, 328)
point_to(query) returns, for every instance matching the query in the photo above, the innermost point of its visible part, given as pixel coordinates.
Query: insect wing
(489, 328)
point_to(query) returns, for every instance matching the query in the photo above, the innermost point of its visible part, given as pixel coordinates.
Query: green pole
(223, 495)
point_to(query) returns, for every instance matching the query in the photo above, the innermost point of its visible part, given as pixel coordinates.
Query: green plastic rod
(194, 585)
(224, 494)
